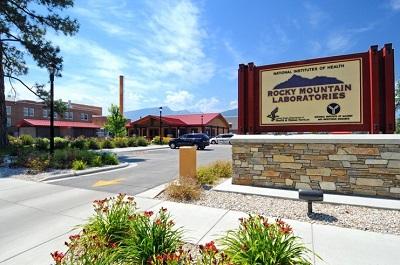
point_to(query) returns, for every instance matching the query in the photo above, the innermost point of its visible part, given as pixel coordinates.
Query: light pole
(160, 126)
(52, 71)
(201, 123)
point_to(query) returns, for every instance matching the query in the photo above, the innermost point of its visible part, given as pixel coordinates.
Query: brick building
(176, 125)
(33, 118)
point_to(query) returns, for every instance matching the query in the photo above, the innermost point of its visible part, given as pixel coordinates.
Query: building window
(69, 115)
(29, 112)
(8, 110)
(84, 116)
(46, 114)
(8, 122)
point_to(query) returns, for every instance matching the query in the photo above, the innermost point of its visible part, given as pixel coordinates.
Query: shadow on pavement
(322, 217)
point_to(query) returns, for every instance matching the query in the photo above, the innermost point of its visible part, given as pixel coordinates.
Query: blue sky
(185, 54)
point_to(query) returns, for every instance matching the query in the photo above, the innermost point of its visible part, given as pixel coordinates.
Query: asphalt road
(148, 169)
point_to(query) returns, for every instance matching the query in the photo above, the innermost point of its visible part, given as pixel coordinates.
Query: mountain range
(299, 81)
(136, 114)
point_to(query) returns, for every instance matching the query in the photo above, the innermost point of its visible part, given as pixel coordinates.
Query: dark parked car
(200, 140)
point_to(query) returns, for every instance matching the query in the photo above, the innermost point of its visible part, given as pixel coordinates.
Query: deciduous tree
(23, 28)
(116, 122)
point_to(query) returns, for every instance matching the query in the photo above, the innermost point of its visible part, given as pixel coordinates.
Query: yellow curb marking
(102, 183)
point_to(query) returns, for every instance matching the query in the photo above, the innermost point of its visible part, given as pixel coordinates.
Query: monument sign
(353, 92)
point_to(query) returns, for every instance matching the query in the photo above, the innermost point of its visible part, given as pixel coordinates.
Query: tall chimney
(121, 94)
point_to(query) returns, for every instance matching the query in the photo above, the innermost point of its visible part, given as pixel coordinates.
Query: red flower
(210, 246)
(74, 237)
(163, 209)
(57, 256)
(158, 222)
(148, 213)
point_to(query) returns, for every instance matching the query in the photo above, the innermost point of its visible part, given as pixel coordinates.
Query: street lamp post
(52, 73)
(160, 126)
(202, 123)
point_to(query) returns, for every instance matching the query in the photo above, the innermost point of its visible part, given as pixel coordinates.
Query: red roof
(195, 119)
(46, 123)
(181, 120)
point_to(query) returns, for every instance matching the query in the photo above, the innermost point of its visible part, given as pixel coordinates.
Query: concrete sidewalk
(36, 219)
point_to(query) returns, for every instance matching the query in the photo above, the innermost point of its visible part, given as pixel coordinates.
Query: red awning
(46, 123)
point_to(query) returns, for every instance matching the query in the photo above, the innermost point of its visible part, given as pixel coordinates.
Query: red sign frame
(378, 114)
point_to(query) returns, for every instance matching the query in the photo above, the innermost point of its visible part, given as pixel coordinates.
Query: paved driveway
(148, 170)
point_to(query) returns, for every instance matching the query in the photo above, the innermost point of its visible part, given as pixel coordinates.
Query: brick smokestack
(121, 94)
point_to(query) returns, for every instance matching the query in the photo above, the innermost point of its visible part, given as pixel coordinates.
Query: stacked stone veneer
(349, 168)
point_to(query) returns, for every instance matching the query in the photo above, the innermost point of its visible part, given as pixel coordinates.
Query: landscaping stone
(376, 161)
(283, 158)
(343, 157)
(369, 182)
(319, 171)
(327, 185)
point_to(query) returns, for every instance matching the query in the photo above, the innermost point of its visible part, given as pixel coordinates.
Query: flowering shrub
(112, 218)
(150, 237)
(118, 235)
(259, 242)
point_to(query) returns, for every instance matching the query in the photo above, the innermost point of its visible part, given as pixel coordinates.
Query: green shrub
(109, 159)
(211, 173)
(93, 143)
(60, 143)
(79, 142)
(42, 143)
(222, 169)
(78, 165)
(259, 242)
(39, 163)
(132, 142)
(186, 189)
(120, 142)
(142, 142)
(63, 158)
(206, 175)
(97, 161)
(157, 140)
(149, 237)
(27, 139)
(107, 144)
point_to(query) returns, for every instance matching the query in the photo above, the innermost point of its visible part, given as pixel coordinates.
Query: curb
(122, 150)
(85, 172)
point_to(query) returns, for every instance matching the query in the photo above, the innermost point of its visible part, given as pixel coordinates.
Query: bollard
(187, 162)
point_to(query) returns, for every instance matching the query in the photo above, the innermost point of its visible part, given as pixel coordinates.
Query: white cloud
(179, 100)
(171, 46)
(338, 42)
(233, 104)
(395, 4)
(208, 105)
(315, 15)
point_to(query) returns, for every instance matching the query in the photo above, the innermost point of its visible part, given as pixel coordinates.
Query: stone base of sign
(348, 164)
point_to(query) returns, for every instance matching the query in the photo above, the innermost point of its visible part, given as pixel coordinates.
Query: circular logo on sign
(333, 108)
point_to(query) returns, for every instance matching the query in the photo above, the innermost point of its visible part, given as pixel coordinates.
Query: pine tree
(23, 28)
